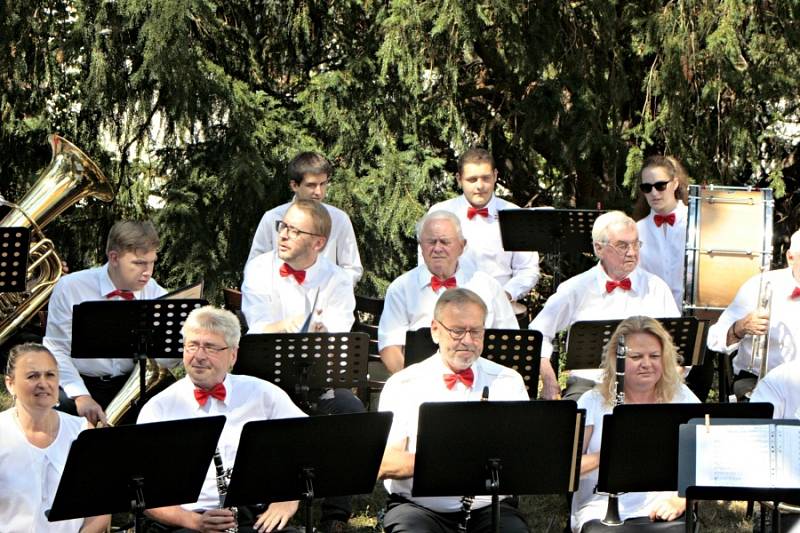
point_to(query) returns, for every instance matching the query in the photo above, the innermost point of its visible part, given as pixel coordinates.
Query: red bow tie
(125, 295)
(795, 293)
(624, 284)
(669, 219)
(299, 275)
(437, 283)
(465, 376)
(482, 211)
(217, 391)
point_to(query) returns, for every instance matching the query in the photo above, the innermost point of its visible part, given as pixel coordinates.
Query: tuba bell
(70, 177)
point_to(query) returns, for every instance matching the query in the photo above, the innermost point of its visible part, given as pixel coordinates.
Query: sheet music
(762, 456)
(733, 456)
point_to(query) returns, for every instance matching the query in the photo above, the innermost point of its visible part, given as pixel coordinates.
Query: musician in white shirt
(477, 210)
(210, 347)
(742, 319)
(615, 288)
(410, 299)
(309, 178)
(90, 384)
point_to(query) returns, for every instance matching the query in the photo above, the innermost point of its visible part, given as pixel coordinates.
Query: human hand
(90, 409)
(668, 509)
(276, 516)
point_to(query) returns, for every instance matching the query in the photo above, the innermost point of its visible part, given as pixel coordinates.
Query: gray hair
(220, 321)
(459, 297)
(605, 221)
(439, 215)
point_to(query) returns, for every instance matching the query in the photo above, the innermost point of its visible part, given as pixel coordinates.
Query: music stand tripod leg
(493, 485)
(308, 496)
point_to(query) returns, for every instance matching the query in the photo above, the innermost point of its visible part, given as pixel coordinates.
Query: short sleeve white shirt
(423, 382)
(29, 475)
(247, 399)
(341, 249)
(517, 272)
(410, 300)
(664, 249)
(73, 289)
(588, 506)
(584, 297)
(268, 297)
(781, 388)
(784, 325)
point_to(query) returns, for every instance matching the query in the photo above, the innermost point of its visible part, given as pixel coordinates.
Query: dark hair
(308, 163)
(475, 156)
(21, 349)
(675, 169)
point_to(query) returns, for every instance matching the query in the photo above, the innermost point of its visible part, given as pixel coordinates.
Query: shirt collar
(681, 212)
(424, 276)
(228, 393)
(491, 205)
(601, 278)
(440, 368)
(107, 286)
(314, 273)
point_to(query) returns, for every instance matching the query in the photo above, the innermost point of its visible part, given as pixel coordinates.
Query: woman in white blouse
(34, 442)
(652, 375)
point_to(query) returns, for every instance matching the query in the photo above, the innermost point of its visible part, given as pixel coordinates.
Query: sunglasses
(660, 186)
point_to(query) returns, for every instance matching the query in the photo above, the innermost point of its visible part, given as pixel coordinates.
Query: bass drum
(728, 241)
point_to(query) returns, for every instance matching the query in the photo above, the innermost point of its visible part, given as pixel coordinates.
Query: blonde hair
(671, 379)
(132, 235)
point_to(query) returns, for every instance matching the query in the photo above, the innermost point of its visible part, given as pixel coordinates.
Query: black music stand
(135, 329)
(649, 433)
(537, 447)
(519, 349)
(687, 473)
(547, 230)
(586, 340)
(148, 475)
(293, 471)
(301, 362)
(14, 245)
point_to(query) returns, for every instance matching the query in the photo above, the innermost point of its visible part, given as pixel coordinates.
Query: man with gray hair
(411, 297)
(614, 288)
(210, 346)
(742, 320)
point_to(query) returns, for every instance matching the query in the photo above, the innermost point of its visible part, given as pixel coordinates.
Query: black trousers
(403, 516)
(101, 390)
(635, 525)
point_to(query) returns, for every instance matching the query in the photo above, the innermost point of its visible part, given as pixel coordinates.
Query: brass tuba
(69, 177)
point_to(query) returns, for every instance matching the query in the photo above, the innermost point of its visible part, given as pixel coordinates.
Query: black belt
(104, 379)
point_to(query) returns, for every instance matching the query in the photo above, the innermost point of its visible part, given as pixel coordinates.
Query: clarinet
(612, 511)
(223, 476)
(467, 501)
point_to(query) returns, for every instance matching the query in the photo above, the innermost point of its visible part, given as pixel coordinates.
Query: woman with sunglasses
(661, 213)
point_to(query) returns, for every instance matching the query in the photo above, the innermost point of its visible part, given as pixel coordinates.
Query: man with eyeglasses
(410, 299)
(456, 372)
(284, 287)
(614, 288)
(309, 178)
(477, 210)
(210, 345)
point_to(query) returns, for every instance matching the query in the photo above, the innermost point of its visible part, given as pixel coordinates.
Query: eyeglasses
(193, 347)
(459, 333)
(623, 246)
(660, 186)
(293, 232)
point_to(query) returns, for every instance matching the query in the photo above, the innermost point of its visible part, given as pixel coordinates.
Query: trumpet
(612, 510)
(759, 356)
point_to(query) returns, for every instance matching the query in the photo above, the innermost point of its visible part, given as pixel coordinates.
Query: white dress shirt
(584, 297)
(517, 272)
(268, 297)
(341, 249)
(423, 382)
(247, 399)
(784, 324)
(29, 475)
(586, 505)
(410, 301)
(781, 388)
(664, 250)
(73, 289)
